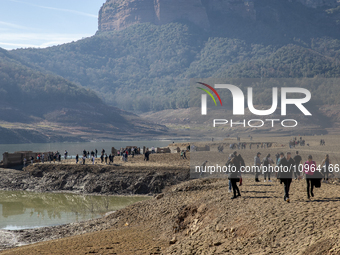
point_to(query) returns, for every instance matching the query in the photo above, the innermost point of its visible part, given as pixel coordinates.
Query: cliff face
(120, 14)
(319, 3)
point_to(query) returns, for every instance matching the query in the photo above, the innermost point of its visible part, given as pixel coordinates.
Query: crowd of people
(295, 142)
(105, 158)
(244, 145)
(49, 157)
(288, 167)
(91, 156)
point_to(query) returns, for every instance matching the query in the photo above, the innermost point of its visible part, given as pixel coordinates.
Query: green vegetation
(30, 92)
(147, 67)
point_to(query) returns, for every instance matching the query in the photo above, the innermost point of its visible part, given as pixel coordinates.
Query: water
(26, 210)
(77, 148)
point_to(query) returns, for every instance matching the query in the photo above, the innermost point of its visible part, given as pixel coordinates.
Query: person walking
(181, 155)
(281, 156)
(286, 168)
(297, 160)
(257, 163)
(267, 161)
(77, 158)
(146, 155)
(325, 163)
(126, 155)
(277, 156)
(234, 170)
(227, 164)
(242, 164)
(309, 168)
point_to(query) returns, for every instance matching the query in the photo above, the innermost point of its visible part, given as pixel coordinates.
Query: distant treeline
(147, 67)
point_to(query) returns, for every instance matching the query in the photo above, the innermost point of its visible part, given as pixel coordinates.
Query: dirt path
(201, 218)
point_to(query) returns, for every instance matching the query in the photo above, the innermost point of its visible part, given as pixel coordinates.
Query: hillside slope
(147, 67)
(40, 107)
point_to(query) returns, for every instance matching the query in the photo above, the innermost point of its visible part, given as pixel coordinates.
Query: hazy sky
(43, 23)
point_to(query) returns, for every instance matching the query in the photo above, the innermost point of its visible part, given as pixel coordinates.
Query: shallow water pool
(25, 210)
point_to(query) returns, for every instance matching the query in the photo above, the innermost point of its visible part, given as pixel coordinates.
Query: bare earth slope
(201, 219)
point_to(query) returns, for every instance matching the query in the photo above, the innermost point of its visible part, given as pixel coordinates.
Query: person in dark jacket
(257, 164)
(146, 155)
(233, 174)
(286, 171)
(297, 160)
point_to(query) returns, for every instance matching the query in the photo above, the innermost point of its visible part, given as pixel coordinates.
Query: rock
(318, 3)
(159, 196)
(117, 14)
(173, 240)
(90, 179)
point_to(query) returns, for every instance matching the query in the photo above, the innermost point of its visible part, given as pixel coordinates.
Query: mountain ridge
(118, 14)
(147, 67)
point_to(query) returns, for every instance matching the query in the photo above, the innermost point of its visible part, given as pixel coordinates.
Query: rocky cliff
(319, 3)
(120, 14)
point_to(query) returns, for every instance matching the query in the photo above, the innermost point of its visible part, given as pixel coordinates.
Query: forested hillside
(40, 107)
(148, 67)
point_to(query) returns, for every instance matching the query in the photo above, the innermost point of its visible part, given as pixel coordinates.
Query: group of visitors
(93, 155)
(294, 142)
(243, 146)
(287, 166)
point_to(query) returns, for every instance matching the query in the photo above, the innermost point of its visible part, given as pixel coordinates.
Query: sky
(45, 23)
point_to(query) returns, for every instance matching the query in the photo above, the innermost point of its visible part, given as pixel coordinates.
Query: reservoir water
(77, 148)
(25, 210)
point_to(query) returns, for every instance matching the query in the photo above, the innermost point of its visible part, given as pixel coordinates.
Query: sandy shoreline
(198, 217)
